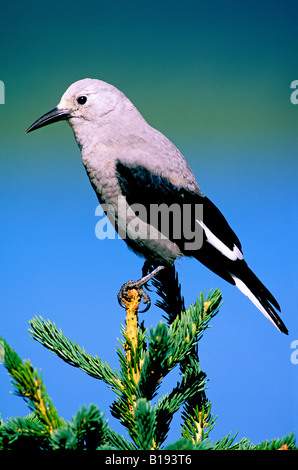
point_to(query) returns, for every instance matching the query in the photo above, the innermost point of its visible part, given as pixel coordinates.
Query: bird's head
(85, 100)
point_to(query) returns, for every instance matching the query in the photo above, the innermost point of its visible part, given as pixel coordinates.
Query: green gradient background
(215, 78)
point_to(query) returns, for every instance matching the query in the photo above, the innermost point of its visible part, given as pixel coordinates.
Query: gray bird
(132, 166)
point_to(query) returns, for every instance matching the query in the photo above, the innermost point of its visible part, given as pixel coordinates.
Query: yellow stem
(132, 305)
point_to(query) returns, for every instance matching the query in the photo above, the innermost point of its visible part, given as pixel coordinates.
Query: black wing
(141, 186)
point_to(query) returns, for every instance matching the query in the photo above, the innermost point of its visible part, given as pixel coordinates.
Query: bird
(133, 167)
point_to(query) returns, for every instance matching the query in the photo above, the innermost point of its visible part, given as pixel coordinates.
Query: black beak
(52, 116)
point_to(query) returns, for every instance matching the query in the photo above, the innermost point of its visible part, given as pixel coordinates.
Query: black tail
(248, 283)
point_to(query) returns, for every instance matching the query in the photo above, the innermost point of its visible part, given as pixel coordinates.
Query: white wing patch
(233, 255)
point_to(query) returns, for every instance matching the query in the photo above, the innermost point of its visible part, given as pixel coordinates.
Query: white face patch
(233, 255)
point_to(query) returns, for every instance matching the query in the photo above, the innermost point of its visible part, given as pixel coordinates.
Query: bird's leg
(138, 285)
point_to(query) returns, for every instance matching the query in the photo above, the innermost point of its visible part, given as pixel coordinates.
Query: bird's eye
(82, 99)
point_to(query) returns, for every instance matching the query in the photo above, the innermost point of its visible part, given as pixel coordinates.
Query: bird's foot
(137, 285)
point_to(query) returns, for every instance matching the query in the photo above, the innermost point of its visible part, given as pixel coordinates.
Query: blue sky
(216, 80)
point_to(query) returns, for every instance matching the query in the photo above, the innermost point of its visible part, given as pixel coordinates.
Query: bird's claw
(123, 294)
